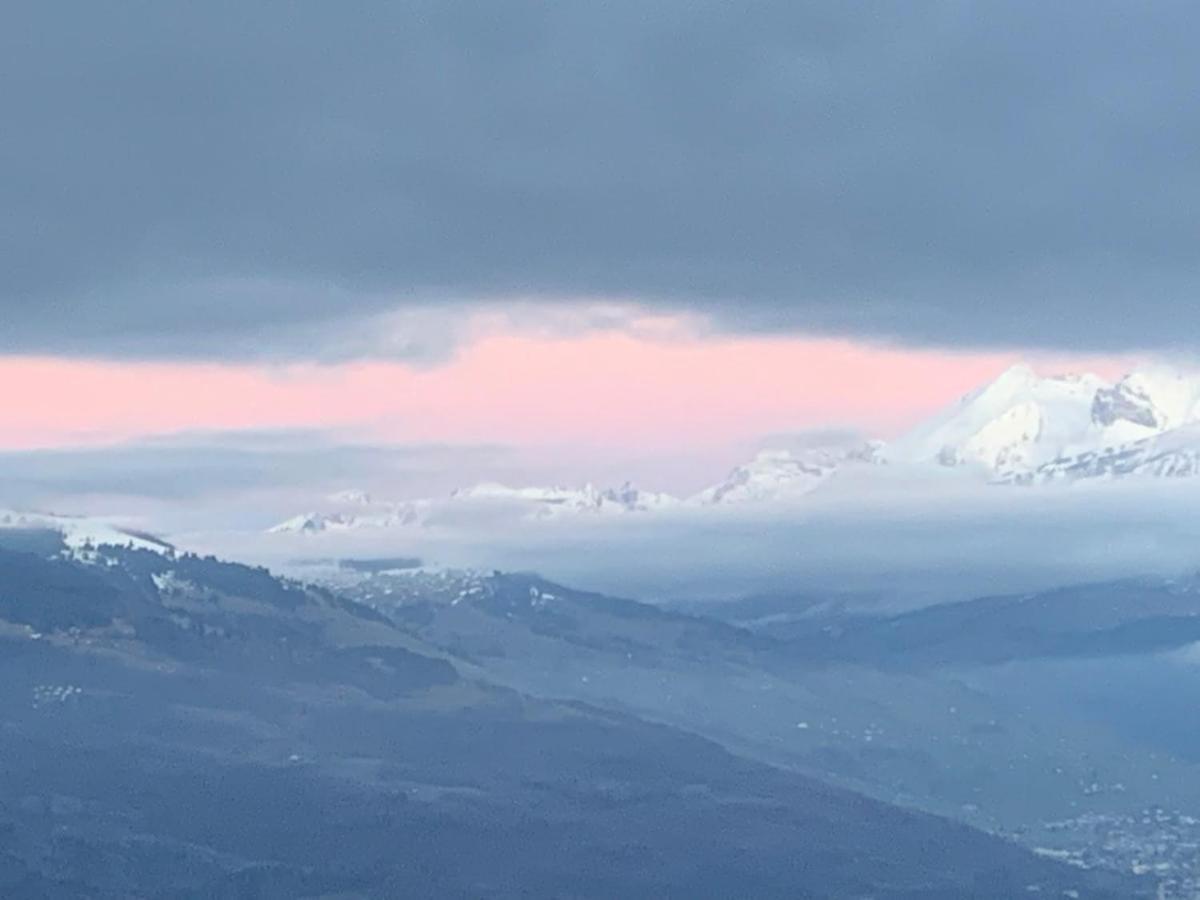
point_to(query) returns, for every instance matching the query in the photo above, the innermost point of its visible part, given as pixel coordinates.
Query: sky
(590, 241)
(605, 389)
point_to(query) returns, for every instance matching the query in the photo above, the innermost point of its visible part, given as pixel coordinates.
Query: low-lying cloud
(884, 542)
(873, 536)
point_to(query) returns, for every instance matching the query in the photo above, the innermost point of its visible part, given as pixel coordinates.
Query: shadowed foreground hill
(181, 727)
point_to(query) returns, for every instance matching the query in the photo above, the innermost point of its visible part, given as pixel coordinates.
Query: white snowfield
(1027, 428)
(588, 498)
(373, 515)
(81, 533)
(1021, 428)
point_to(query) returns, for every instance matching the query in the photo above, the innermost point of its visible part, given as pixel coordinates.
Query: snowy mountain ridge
(372, 515)
(1021, 428)
(81, 534)
(785, 474)
(771, 475)
(352, 510)
(550, 501)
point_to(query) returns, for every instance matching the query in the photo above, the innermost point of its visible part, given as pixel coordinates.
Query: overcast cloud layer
(234, 178)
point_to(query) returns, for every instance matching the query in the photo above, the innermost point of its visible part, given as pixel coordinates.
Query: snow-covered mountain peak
(1020, 383)
(370, 515)
(1173, 396)
(1021, 424)
(547, 501)
(308, 523)
(636, 499)
(771, 474)
(775, 473)
(1016, 422)
(1013, 380)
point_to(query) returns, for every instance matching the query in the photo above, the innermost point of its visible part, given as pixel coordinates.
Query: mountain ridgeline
(1061, 718)
(1020, 429)
(177, 726)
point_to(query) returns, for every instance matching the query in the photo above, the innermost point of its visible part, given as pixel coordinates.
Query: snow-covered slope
(1016, 422)
(1172, 454)
(783, 474)
(384, 515)
(772, 474)
(550, 501)
(81, 532)
(1021, 424)
(523, 502)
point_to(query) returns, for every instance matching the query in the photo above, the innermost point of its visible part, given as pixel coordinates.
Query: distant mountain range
(1021, 428)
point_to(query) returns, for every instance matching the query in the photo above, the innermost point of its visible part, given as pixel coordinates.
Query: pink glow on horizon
(602, 389)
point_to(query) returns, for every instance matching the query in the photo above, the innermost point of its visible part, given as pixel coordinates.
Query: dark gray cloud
(240, 178)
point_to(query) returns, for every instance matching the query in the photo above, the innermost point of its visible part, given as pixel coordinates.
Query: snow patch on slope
(1016, 422)
(81, 533)
(550, 501)
(783, 474)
